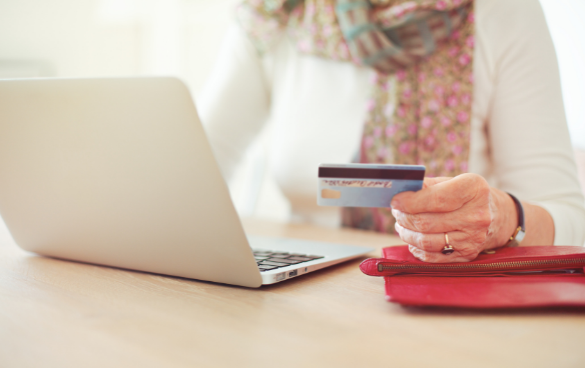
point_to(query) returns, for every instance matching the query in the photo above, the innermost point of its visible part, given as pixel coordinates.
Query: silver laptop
(119, 172)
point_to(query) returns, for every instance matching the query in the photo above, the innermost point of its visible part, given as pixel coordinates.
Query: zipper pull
(370, 267)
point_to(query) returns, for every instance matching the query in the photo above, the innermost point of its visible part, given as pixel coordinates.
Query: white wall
(567, 26)
(81, 38)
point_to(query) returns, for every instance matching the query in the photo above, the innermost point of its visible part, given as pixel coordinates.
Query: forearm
(540, 228)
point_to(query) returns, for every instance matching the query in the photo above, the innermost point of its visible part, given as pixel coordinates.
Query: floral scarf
(420, 108)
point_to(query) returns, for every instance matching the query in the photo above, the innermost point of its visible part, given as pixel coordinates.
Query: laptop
(119, 172)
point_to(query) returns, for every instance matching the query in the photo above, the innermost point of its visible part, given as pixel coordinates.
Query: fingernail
(395, 203)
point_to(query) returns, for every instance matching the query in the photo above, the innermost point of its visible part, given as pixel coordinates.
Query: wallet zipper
(575, 262)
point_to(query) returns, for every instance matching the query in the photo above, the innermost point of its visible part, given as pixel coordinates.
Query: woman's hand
(475, 216)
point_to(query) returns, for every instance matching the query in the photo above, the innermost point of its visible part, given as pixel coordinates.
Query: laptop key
(266, 267)
(283, 260)
(301, 259)
(270, 263)
(279, 256)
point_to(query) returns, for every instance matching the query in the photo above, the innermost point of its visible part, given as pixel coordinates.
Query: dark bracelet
(520, 231)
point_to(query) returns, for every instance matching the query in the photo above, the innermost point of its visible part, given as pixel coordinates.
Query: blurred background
(97, 38)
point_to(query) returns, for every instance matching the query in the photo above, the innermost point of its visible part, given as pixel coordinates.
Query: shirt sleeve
(234, 103)
(528, 134)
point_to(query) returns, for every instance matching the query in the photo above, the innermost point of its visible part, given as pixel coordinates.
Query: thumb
(429, 182)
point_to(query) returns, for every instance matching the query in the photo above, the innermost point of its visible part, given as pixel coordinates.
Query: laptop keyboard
(268, 260)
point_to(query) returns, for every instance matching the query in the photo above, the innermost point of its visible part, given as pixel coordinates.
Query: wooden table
(55, 313)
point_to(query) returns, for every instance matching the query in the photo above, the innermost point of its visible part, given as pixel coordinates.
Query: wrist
(505, 219)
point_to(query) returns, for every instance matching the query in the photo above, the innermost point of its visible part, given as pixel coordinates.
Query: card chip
(330, 194)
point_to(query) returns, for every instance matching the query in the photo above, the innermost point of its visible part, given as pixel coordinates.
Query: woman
(470, 89)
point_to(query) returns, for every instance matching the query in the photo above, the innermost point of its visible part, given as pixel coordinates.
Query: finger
(469, 217)
(443, 196)
(431, 257)
(432, 243)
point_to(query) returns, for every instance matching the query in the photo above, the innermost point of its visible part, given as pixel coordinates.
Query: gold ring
(448, 248)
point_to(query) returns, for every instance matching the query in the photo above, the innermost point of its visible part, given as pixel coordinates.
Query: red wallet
(519, 277)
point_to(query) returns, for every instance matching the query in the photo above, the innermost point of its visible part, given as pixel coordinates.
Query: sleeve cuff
(569, 223)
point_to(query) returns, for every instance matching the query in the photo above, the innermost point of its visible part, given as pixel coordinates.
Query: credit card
(366, 185)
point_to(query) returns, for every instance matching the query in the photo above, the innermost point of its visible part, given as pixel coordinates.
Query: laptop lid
(118, 172)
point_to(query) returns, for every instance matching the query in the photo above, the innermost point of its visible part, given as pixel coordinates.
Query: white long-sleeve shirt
(519, 137)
